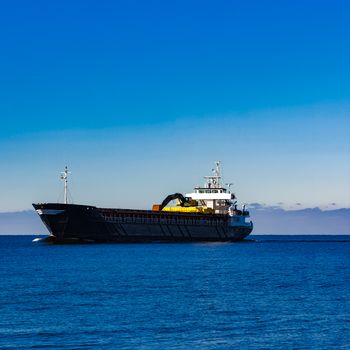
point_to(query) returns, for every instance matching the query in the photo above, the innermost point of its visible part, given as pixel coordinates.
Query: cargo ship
(209, 213)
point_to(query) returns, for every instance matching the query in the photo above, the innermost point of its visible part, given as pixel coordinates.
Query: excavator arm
(183, 200)
(187, 204)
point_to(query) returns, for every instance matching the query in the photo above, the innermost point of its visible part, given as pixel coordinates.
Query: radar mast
(214, 181)
(64, 177)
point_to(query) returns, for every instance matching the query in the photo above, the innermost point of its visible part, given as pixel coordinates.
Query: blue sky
(139, 99)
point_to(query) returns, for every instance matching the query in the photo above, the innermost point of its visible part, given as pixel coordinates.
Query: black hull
(69, 223)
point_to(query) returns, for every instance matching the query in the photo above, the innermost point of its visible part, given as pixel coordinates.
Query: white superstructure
(217, 197)
(213, 194)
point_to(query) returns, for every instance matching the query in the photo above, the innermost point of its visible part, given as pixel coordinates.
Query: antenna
(229, 185)
(64, 177)
(217, 170)
(214, 181)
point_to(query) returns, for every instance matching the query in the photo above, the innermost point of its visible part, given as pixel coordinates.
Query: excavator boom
(183, 200)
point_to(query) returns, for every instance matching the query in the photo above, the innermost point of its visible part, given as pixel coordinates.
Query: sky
(140, 98)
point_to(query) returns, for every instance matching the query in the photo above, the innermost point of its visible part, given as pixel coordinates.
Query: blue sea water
(272, 292)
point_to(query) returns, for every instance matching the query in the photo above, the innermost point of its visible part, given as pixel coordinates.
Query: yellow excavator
(183, 205)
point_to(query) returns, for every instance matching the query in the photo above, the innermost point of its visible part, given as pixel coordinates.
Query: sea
(268, 292)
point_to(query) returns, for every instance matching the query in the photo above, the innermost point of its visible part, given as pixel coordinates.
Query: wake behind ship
(208, 214)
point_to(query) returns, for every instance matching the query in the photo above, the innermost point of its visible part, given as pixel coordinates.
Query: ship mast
(64, 177)
(214, 181)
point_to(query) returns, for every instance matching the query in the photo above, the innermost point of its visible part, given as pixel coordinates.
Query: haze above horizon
(139, 99)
